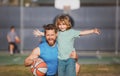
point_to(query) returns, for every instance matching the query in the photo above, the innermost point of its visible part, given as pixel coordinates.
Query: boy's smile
(62, 27)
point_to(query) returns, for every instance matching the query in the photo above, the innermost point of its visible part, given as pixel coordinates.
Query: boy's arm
(38, 33)
(92, 31)
(8, 38)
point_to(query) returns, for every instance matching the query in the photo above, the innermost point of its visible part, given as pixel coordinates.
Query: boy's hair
(12, 27)
(50, 27)
(63, 19)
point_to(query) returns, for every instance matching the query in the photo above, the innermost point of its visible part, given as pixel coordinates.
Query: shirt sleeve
(76, 33)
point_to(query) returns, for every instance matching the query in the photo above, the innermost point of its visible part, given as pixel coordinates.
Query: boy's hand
(97, 31)
(37, 33)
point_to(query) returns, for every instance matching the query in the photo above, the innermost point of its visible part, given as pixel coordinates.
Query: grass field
(86, 70)
(90, 65)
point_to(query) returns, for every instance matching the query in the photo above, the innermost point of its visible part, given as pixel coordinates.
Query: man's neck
(53, 45)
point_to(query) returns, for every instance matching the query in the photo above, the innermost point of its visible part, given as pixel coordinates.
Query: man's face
(51, 37)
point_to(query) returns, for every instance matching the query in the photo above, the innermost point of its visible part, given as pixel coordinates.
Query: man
(48, 51)
(12, 37)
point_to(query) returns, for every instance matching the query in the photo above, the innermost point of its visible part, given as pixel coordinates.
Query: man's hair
(63, 19)
(50, 27)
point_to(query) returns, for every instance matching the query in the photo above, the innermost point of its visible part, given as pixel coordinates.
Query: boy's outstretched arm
(92, 31)
(38, 33)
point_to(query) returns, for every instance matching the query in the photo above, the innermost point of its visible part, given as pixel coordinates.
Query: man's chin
(51, 43)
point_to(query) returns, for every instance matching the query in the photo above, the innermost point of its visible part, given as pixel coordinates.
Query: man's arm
(86, 32)
(74, 55)
(30, 59)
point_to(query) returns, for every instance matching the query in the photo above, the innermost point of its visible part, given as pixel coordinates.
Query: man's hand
(74, 55)
(37, 59)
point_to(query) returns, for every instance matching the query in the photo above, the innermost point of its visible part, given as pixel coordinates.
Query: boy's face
(13, 29)
(62, 27)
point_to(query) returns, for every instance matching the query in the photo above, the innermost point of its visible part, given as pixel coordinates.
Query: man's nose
(50, 36)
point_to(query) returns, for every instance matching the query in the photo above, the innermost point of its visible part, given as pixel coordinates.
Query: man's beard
(51, 43)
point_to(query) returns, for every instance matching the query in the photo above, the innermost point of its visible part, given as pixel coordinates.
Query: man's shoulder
(43, 44)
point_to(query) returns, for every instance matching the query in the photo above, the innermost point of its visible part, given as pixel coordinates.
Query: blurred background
(26, 15)
(93, 50)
